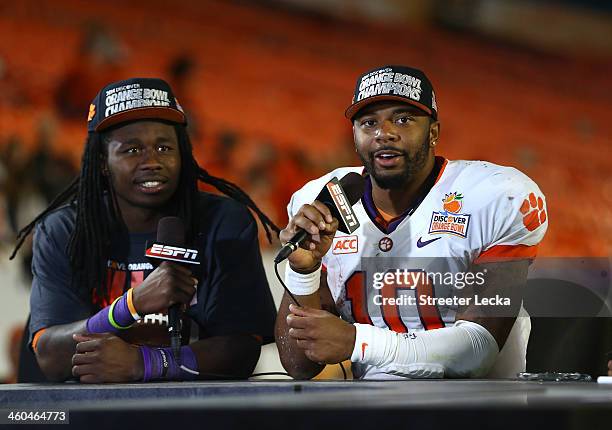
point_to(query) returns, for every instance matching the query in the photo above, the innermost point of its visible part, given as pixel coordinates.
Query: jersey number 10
(357, 293)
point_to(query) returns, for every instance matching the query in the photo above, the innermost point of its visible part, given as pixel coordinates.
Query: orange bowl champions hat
(134, 99)
(400, 83)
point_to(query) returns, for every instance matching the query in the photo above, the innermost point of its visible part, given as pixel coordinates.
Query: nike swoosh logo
(363, 348)
(421, 244)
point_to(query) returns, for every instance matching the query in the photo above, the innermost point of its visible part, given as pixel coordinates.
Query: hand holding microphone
(318, 226)
(310, 232)
(168, 285)
(171, 283)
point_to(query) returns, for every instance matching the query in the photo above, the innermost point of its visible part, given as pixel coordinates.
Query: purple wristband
(100, 322)
(160, 364)
(122, 313)
(146, 361)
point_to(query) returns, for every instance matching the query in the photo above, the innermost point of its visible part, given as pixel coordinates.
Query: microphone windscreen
(171, 231)
(353, 185)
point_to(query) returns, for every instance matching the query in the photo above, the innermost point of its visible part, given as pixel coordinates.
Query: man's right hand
(317, 221)
(167, 285)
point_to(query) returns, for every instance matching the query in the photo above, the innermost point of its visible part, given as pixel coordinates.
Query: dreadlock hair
(98, 215)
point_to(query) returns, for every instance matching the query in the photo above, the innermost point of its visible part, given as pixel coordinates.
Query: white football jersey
(475, 211)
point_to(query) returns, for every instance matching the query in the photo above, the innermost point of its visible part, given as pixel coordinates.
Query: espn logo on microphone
(172, 253)
(345, 245)
(342, 204)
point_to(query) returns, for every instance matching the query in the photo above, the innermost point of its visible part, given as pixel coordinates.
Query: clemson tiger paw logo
(534, 213)
(452, 202)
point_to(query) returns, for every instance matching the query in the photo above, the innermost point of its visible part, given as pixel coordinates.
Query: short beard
(414, 164)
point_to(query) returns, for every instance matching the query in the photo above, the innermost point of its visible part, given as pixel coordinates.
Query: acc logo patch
(450, 220)
(345, 245)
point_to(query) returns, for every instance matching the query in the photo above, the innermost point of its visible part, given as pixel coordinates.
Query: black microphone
(170, 246)
(339, 197)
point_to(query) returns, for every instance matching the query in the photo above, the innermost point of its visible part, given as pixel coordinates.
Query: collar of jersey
(389, 227)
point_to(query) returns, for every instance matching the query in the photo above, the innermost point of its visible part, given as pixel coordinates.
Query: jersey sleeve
(305, 195)
(238, 298)
(515, 222)
(52, 300)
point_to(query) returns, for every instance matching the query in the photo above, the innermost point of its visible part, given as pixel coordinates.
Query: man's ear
(434, 133)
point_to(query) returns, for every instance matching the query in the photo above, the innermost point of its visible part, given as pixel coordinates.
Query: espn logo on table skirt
(345, 245)
(172, 253)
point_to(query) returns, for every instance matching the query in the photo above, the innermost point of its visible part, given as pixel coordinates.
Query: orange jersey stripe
(507, 252)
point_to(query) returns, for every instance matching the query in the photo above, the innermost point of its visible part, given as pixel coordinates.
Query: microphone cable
(283, 284)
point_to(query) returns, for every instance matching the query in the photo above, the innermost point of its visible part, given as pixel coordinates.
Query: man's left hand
(324, 337)
(103, 357)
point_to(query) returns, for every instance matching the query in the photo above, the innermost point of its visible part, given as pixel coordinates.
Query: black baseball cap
(401, 83)
(134, 99)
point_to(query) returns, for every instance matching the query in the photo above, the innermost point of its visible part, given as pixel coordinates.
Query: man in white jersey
(438, 241)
